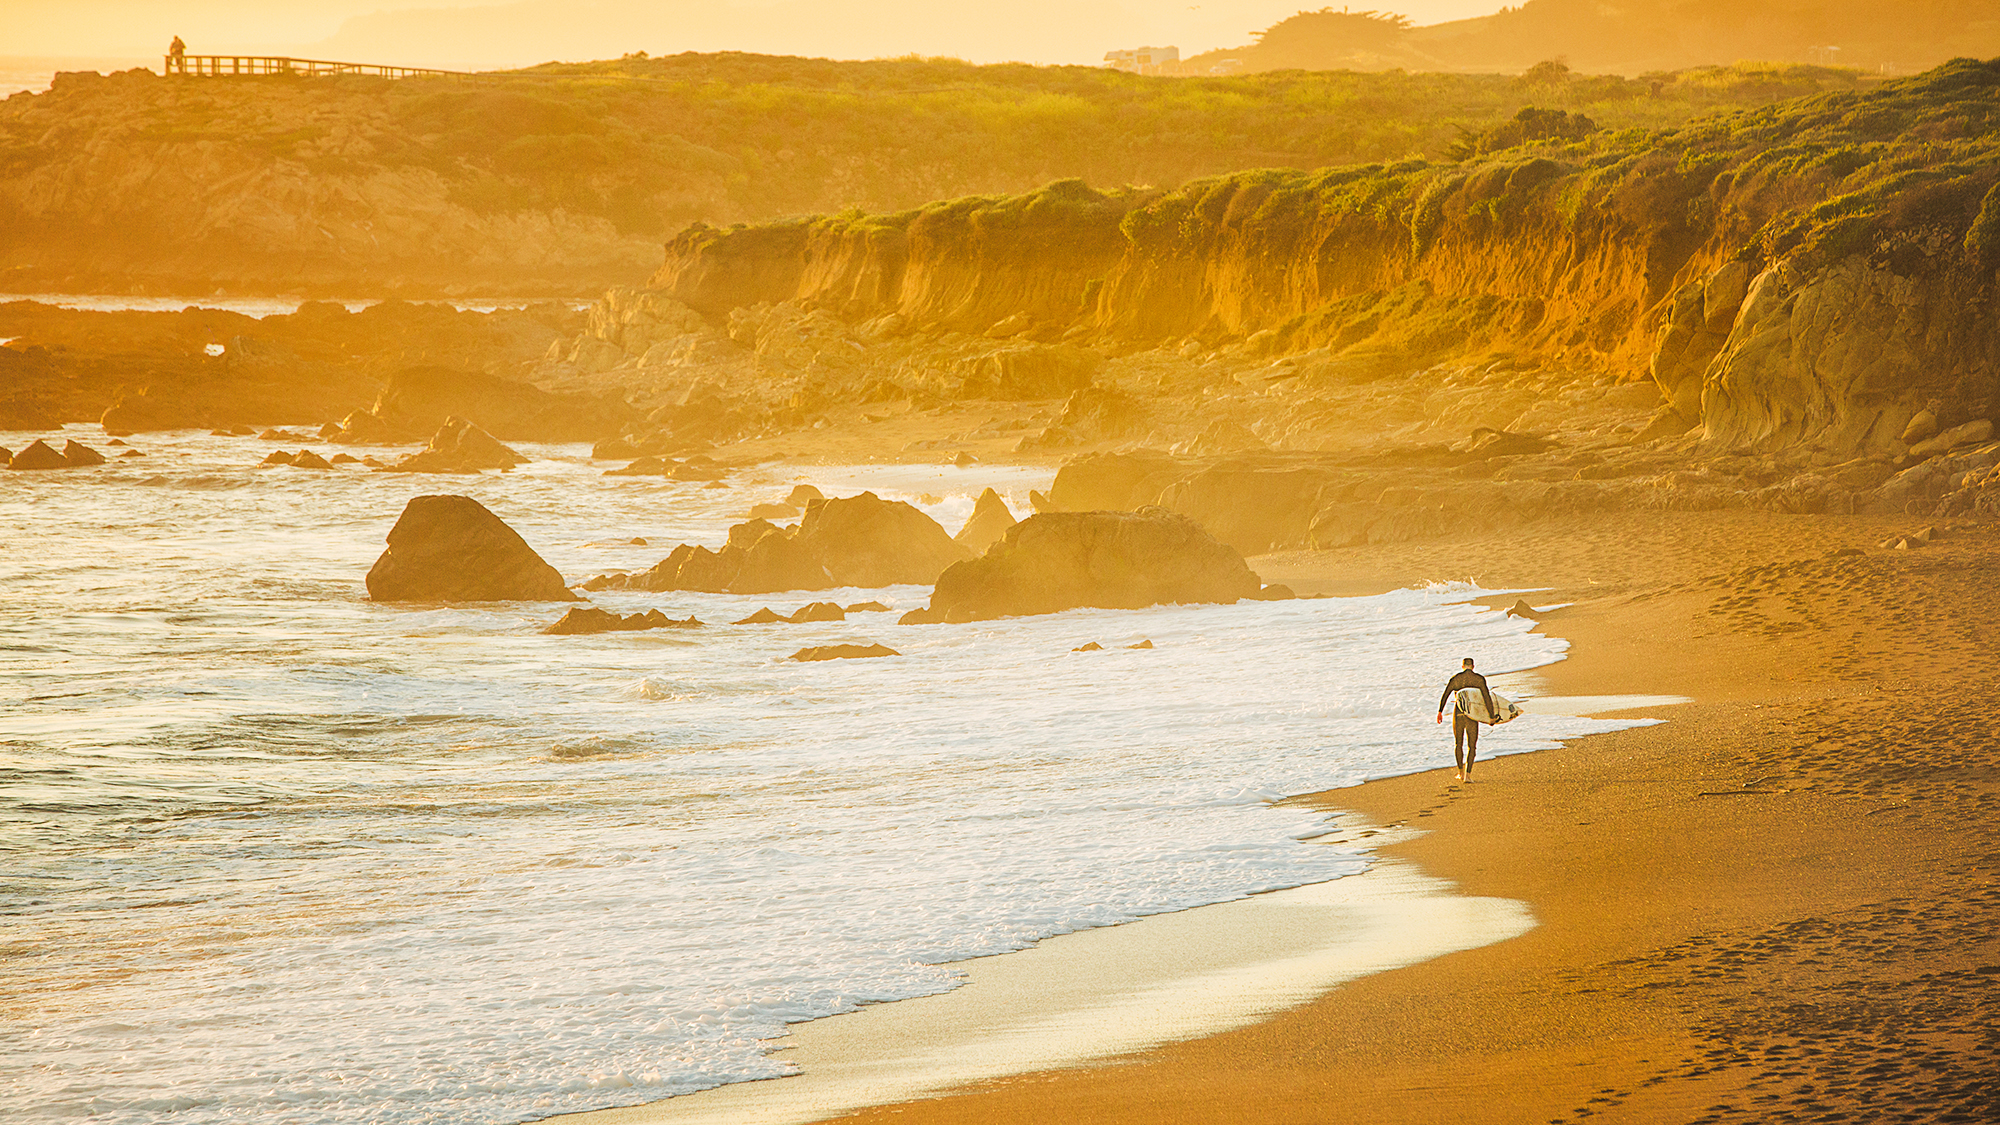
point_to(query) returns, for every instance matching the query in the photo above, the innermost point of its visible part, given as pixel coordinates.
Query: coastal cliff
(1816, 273)
(563, 179)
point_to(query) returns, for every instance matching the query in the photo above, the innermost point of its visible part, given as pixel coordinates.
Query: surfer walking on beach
(1465, 728)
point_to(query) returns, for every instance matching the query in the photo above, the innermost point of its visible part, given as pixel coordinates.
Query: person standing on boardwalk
(1465, 728)
(176, 56)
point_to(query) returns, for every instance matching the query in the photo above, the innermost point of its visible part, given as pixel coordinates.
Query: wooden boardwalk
(222, 66)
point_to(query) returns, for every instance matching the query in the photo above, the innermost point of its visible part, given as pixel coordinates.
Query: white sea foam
(274, 851)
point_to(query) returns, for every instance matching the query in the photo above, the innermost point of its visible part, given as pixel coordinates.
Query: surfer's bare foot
(1459, 775)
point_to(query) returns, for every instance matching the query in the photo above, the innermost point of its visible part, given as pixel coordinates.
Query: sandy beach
(1777, 906)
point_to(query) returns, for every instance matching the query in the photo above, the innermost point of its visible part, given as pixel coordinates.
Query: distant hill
(564, 179)
(1631, 37)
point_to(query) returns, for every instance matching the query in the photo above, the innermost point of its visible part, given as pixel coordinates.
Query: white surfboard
(1473, 702)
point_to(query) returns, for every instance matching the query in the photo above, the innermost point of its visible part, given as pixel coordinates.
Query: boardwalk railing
(226, 65)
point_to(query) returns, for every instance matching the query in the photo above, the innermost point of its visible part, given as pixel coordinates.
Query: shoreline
(1730, 929)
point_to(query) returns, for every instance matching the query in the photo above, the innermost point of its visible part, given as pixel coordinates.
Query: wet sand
(1782, 905)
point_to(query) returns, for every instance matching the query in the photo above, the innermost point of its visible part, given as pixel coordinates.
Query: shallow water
(274, 851)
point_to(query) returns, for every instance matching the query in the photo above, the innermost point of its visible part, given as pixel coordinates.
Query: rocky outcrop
(989, 521)
(867, 541)
(1113, 560)
(843, 652)
(452, 549)
(458, 447)
(585, 620)
(39, 455)
(1777, 303)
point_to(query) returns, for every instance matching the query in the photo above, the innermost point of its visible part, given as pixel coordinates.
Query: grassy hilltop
(564, 178)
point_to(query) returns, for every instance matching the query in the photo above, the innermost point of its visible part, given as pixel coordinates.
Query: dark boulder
(867, 541)
(777, 561)
(764, 616)
(802, 495)
(586, 619)
(1275, 592)
(868, 607)
(817, 611)
(451, 549)
(77, 455)
(38, 455)
(277, 457)
(307, 459)
(1112, 560)
(990, 520)
(459, 447)
(843, 652)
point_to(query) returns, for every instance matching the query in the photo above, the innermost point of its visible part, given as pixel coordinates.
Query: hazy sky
(513, 32)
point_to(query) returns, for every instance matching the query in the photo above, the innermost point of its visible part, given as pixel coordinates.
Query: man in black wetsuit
(1464, 728)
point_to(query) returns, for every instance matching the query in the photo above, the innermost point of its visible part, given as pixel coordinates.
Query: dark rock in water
(1521, 608)
(307, 459)
(868, 607)
(964, 460)
(6, 455)
(614, 449)
(1141, 644)
(276, 457)
(38, 455)
(280, 435)
(131, 453)
(365, 427)
(329, 431)
(116, 442)
(843, 652)
(817, 611)
(451, 549)
(646, 467)
(459, 447)
(802, 495)
(778, 561)
(1112, 560)
(587, 619)
(867, 541)
(1275, 592)
(922, 615)
(344, 459)
(765, 616)
(616, 580)
(1091, 646)
(79, 455)
(705, 570)
(990, 520)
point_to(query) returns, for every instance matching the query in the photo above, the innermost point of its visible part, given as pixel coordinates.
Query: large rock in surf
(868, 541)
(1112, 560)
(990, 520)
(459, 447)
(39, 455)
(776, 560)
(451, 549)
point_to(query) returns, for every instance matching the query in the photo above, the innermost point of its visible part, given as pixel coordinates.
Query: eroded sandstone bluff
(1801, 280)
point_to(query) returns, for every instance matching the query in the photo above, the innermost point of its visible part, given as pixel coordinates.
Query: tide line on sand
(1100, 993)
